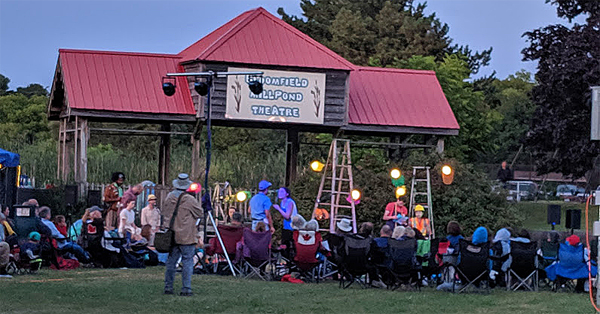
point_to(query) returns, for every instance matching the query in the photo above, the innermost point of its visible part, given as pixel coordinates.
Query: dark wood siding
(336, 90)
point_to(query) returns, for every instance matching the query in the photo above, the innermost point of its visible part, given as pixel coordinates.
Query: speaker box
(70, 195)
(94, 197)
(554, 214)
(573, 219)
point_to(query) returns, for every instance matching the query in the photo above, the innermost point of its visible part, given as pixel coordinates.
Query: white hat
(345, 225)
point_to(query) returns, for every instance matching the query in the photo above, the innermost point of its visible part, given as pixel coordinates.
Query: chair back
(524, 257)
(356, 253)
(473, 258)
(570, 256)
(402, 254)
(256, 245)
(231, 236)
(307, 244)
(549, 250)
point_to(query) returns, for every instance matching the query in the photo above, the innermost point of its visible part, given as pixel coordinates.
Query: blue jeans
(186, 252)
(77, 250)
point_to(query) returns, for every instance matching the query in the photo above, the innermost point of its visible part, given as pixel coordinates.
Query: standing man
(504, 173)
(184, 226)
(151, 216)
(260, 206)
(112, 196)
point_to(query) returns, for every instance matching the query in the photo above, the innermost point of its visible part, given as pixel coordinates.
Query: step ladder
(419, 188)
(336, 185)
(221, 195)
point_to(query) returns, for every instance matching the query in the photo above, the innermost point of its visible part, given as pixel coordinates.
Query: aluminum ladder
(421, 175)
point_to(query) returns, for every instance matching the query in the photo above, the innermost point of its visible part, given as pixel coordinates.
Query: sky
(31, 32)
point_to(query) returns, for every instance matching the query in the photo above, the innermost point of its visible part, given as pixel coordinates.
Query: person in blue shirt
(61, 241)
(454, 234)
(260, 206)
(287, 208)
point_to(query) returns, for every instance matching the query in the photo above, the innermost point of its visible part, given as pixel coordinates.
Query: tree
(4, 84)
(568, 64)
(33, 90)
(477, 121)
(23, 120)
(378, 32)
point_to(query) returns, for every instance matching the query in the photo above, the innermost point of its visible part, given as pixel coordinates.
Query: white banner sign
(297, 97)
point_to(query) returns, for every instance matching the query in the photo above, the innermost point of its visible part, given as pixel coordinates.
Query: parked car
(521, 190)
(570, 192)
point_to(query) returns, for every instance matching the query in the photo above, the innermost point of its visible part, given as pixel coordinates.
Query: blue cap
(263, 185)
(33, 235)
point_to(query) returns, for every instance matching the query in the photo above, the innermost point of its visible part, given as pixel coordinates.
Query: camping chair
(404, 267)
(307, 244)
(231, 236)
(524, 267)
(571, 265)
(354, 260)
(472, 267)
(255, 254)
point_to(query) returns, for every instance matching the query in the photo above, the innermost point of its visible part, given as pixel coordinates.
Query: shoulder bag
(165, 240)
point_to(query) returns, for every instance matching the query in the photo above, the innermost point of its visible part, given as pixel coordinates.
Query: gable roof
(397, 97)
(122, 81)
(258, 37)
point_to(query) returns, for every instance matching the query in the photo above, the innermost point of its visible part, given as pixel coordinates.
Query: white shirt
(129, 217)
(151, 217)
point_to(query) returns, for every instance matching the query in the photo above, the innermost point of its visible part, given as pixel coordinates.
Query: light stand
(206, 201)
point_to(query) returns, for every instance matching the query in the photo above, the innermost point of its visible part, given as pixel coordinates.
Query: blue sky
(31, 32)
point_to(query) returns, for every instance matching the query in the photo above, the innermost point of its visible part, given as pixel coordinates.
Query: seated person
(409, 233)
(236, 220)
(454, 235)
(500, 256)
(572, 263)
(4, 257)
(31, 250)
(366, 229)
(62, 242)
(127, 227)
(523, 237)
(379, 247)
(61, 224)
(260, 227)
(398, 232)
(298, 222)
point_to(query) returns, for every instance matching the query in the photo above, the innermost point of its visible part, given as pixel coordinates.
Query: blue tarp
(8, 159)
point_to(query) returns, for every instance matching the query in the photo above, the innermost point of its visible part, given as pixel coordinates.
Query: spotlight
(316, 166)
(400, 191)
(241, 196)
(355, 195)
(194, 188)
(201, 88)
(255, 86)
(395, 173)
(168, 87)
(397, 177)
(447, 175)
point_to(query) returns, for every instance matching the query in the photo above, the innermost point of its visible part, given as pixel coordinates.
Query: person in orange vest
(420, 223)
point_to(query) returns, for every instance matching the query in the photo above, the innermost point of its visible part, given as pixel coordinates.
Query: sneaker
(378, 284)
(168, 292)
(186, 294)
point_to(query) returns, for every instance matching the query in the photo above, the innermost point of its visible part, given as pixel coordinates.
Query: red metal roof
(258, 37)
(396, 97)
(122, 81)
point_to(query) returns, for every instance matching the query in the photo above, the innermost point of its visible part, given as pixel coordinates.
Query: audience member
(236, 220)
(260, 227)
(366, 229)
(127, 227)
(480, 235)
(500, 256)
(130, 195)
(61, 241)
(384, 234)
(454, 234)
(409, 233)
(61, 224)
(398, 232)
(151, 216)
(523, 236)
(298, 222)
(312, 225)
(4, 258)
(9, 224)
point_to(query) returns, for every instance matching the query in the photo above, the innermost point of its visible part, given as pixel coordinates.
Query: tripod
(208, 212)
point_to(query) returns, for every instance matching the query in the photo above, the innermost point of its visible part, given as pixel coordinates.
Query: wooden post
(291, 160)
(76, 151)
(440, 146)
(164, 155)
(59, 151)
(84, 136)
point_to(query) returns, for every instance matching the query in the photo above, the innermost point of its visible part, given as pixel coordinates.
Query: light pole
(203, 89)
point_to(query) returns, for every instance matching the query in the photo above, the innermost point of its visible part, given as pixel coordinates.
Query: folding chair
(306, 245)
(255, 254)
(571, 265)
(404, 266)
(524, 267)
(231, 236)
(472, 267)
(354, 260)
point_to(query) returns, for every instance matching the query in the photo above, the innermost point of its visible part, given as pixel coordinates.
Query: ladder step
(340, 217)
(338, 206)
(338, 179)
(420, 193)
(421, 180)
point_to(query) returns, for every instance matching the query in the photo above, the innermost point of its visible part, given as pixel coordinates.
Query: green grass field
(139, 291)
(535, 214)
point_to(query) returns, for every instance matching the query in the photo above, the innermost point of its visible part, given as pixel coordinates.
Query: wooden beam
(292, 149)
(114, 116)
(365, 129)
(84, 137)
(137, 132)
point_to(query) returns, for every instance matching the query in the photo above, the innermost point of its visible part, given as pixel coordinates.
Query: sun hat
(151, 197)
(419, 208)
(182, 182)
(34, 235)
(345, 225)
(263, 185)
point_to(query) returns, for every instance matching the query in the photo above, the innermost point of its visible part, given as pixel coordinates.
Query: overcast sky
(31, 32)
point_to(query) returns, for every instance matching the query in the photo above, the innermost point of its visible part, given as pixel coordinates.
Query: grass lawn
(535, 214)
(139, 291)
